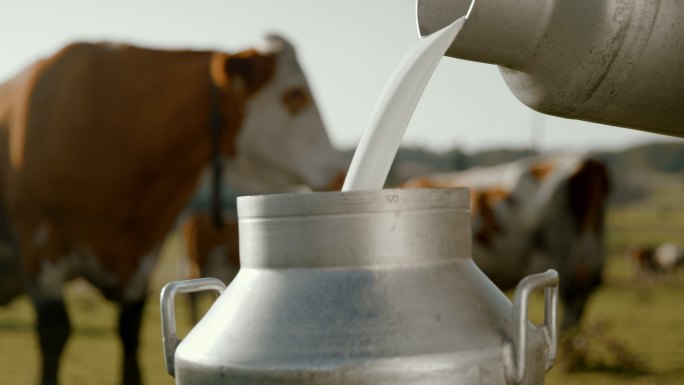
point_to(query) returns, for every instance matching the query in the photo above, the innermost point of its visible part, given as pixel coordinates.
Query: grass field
(633, 331)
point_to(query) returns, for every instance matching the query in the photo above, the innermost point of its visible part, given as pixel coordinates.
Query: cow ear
(243, 73)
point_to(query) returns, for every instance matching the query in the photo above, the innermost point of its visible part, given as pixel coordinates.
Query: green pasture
(633, 332)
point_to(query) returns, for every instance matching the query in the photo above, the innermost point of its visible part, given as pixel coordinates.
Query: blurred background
(348, 49)
(467, 117)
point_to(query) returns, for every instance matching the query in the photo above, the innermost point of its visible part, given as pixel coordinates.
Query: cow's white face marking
(283, 140)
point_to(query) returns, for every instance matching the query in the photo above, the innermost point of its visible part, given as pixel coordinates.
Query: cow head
(282, 140)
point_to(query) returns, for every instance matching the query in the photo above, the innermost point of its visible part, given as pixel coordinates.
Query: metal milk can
(616, 62)
(361, 287)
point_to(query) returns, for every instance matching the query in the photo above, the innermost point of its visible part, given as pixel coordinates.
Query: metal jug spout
(606, 61)
(495, 32)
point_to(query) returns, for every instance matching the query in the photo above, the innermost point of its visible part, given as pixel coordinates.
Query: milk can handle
(549, 281)
(168, 312)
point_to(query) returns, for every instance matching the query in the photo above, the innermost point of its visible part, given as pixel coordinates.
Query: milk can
(361, 287)
(616, 62)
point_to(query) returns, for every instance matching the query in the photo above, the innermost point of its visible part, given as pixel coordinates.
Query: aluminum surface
(354, 229)
(170, 338)
(615, 62)
(549, 282)
(363, 287)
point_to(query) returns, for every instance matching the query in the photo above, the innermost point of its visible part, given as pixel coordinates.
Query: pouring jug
(616, 62)
(361, 287)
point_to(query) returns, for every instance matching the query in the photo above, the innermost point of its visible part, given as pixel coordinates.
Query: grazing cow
(651, 261)
(668, 256)
(533, 214)
(103, 145)
(643, 259)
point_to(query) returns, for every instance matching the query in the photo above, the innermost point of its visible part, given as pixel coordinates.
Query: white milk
(380, 141)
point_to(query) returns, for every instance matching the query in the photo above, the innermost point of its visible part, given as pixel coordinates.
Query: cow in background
(643, 260)
(669, 256)
(533, 214)
(649, 261)
(102, 146)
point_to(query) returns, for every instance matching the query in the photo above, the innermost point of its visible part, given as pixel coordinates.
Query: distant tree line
(629, 168)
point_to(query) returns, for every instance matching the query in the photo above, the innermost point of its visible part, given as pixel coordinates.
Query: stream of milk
(390, 117)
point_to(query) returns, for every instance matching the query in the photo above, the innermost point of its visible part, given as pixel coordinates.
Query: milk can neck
(354, 229)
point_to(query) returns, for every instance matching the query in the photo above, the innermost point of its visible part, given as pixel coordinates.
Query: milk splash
(382, 136)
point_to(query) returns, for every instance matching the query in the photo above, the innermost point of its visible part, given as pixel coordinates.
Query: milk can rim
(350, 202)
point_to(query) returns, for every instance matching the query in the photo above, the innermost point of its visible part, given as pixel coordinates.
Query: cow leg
(11, 278)
(130, 320)
(53, 332)
(574, 297)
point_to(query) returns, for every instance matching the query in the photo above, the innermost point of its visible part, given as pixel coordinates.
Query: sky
(348, 48)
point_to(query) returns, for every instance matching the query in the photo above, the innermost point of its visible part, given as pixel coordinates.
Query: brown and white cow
(533, 214)
(649, 261)
(642, 258)
(102, 146)
(669, 256)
